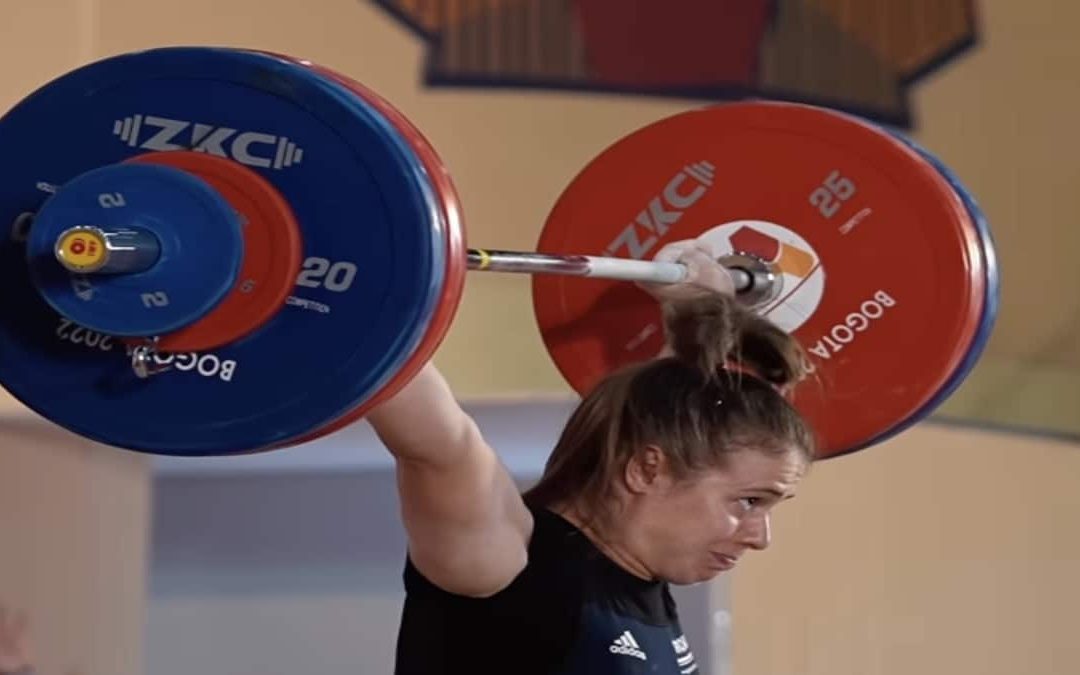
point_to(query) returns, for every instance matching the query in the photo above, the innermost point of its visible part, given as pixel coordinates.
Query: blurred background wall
(951, 548)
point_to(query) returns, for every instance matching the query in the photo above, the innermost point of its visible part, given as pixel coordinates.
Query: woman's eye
(748, 502)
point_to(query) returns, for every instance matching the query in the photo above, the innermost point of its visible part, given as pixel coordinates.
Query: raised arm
(467, 526)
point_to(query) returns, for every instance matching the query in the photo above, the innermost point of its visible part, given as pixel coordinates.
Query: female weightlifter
(665, 474)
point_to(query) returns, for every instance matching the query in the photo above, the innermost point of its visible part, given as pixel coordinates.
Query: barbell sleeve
(86, 249)
(623, 269)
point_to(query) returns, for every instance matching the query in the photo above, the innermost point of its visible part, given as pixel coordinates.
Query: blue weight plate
(198, 236)
(993, 289)
(439, 216)
(371, 232)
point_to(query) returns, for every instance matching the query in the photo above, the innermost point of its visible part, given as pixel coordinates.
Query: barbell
(219, 251)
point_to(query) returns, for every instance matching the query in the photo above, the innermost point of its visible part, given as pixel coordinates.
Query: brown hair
(720, 392)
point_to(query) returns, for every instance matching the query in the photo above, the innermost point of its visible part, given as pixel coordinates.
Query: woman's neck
(609, 545)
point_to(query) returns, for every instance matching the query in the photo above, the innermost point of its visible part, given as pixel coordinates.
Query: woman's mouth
(723, 562)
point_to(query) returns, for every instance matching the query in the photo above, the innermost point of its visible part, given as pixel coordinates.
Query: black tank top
(571, 611)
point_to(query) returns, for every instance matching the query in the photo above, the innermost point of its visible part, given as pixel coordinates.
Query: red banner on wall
(855, 55)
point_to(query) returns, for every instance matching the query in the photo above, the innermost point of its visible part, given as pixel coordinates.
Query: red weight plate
(456, 266)
(272, 251)
(882, 276)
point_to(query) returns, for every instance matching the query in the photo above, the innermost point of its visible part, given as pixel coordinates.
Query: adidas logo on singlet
(626, 644)
(684, 656)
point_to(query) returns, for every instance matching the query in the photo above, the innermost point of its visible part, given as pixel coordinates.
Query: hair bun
(700, 330)
(714, 330)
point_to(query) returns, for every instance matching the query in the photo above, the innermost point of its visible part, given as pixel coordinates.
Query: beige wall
(74, 520)
(1003, 118)
(944, 551)
(974, 568)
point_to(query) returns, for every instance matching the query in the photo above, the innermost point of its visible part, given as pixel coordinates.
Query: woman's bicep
(467, 525)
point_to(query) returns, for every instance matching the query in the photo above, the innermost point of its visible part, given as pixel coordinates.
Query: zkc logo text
(253, 148)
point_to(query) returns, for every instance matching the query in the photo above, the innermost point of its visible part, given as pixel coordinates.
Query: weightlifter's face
(691, 530)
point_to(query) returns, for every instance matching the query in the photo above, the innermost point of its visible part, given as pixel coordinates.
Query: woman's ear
(647, 471)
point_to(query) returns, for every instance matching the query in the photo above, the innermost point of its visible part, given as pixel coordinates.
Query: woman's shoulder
(558, 552)
(553, 531)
